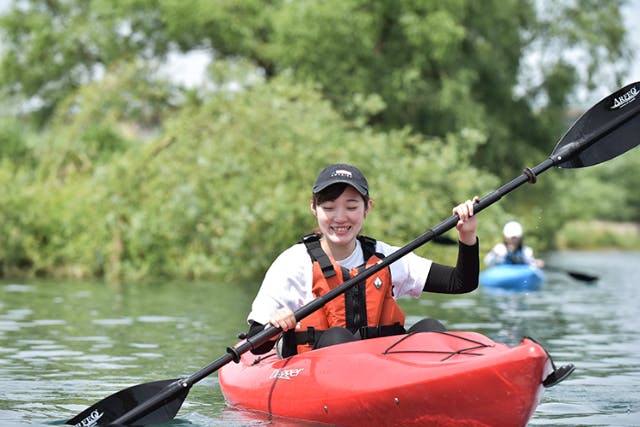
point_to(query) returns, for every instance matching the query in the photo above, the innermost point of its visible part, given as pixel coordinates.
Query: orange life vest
(367, 307)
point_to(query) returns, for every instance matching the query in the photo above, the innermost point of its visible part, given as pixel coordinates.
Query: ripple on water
(97, 338)
(158, 319)
(113, 322)
(9, 326)
(40, 354)
(17, 287)
(17, 314)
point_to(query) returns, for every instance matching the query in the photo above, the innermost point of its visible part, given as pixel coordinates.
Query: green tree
(435, 66)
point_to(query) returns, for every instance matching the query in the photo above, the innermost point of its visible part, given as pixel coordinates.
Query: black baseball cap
(341, 173)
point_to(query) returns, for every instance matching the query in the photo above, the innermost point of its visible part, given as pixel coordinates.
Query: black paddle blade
(607, 118)
(578, 275)
(582, 276)
(113, 407)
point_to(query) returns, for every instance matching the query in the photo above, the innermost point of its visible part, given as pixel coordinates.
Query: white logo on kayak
(625, 99)
(285, 374)
(91, 420)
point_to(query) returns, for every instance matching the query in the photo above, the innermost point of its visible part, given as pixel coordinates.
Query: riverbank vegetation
(111, 169)
(599, 235)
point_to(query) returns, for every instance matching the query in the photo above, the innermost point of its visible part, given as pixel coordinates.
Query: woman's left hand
(468, 223)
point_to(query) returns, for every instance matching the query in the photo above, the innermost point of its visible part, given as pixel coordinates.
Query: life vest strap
(367, 332)
(314, 249)
(369, 247)
(312, 335)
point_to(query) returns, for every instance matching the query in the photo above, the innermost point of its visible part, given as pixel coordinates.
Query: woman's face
(341, 220)
(512, 243)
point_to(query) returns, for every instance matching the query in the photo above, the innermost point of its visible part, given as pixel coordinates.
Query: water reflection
(64, 346)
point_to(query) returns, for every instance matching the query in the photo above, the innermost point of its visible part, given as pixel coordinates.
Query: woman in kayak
(512, 250)
(322, 261)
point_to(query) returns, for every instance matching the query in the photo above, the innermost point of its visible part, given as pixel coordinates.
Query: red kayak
(421, 379)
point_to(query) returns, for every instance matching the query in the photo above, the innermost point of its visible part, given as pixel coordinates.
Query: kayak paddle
(583, 277)
(605, 131)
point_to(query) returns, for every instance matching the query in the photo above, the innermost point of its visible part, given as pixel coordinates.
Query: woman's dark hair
(332, 192)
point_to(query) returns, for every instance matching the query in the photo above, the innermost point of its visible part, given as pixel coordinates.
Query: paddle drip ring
(235, 354)
(531, 176)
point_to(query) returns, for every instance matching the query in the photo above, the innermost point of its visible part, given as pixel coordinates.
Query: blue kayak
(516, 277)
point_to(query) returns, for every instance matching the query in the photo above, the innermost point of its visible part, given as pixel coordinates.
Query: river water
(64, 346)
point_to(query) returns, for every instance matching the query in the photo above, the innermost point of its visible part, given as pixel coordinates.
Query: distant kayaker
(320, 262)
(512, 250)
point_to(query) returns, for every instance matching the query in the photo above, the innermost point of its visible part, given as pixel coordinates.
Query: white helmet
(512, 229)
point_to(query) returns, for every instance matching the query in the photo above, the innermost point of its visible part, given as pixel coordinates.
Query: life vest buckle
(311, 335)
(367, 332)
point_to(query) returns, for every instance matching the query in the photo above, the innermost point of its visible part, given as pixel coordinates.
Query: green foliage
(598, 192)
(226, 187)
(15, 146)
(51, 48)
(111, 171)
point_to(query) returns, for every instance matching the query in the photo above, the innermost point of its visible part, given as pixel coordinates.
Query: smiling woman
(340, 202)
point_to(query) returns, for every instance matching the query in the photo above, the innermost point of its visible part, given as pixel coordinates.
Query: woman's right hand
(283, 319)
